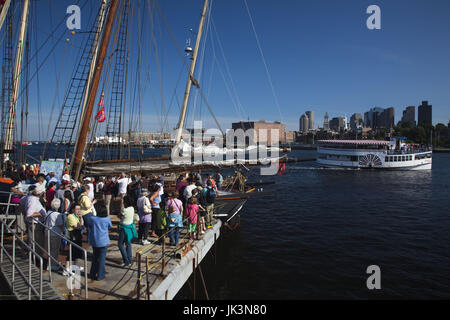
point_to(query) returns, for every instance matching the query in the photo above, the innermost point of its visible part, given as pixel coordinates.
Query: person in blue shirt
(98, 238)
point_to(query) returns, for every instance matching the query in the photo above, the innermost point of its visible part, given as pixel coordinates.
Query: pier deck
(121, 283)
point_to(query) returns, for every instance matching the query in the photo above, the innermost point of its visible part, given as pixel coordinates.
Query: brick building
(261, 125)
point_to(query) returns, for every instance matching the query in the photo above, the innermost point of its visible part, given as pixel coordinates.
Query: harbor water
(313, 235)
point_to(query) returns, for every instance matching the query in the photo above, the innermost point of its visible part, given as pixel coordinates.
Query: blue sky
(319, 54)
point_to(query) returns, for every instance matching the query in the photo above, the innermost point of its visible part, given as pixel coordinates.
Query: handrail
(154, 264)
(14, 264)
(71, 243)
(48, 252)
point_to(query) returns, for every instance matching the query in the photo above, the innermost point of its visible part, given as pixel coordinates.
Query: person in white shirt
(55, 222)
(100, 184)
(123, 182)
(90, 195)
(188, 190)
(145, 216)
(35, 211)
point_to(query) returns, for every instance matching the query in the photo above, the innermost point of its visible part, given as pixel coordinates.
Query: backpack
(211, 196)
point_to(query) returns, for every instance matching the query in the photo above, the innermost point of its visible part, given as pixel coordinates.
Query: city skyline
(409, 114)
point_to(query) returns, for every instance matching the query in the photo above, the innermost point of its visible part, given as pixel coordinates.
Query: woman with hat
(145, 216)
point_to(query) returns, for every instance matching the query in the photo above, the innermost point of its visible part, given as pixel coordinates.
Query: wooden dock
(122, 283)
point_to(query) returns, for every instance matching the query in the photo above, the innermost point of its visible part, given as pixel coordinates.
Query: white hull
(373, 159)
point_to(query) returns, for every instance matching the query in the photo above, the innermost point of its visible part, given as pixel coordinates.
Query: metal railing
(408, 151)
(47, 251)
(149, 266)
(15, 266)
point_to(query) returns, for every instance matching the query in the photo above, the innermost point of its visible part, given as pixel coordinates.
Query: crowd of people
(73, 208)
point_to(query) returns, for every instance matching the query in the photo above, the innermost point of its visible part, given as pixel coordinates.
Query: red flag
(102, 100)
(100, 117)
(281, 168)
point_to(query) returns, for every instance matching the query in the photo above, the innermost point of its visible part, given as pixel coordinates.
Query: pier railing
(142, 256)
(16, 267)
(47, 232)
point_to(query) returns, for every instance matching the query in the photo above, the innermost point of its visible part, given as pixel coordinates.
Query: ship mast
(16, 81)
(85, 121)
(3, 13)
(191, 75)
(91, 73)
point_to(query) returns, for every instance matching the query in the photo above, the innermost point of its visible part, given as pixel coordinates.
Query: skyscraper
(425, 113)
(409, 115)
(379, 118)
(304, 123)
(386, 118)
(310, 115)
(326, 123)
(356, 121)
(337, 124)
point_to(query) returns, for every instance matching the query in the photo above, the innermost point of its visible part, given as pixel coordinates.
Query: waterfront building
(424, 113)
(255, 138)
(409, 115)
(290, 136)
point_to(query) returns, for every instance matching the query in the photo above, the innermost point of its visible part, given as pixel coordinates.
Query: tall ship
(391, 154)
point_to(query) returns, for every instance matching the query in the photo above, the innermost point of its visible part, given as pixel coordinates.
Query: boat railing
(408, 151)
(350, 149)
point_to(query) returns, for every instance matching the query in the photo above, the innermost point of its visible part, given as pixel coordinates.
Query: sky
(305, 55)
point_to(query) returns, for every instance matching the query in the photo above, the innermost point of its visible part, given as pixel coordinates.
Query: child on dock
(192, 217)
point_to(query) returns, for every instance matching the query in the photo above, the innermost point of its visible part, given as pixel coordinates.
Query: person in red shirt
(50, 194)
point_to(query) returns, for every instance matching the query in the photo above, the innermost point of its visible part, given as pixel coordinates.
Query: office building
(310, 115)
(326, 123)
(256, 138)
(304, 123)
(409, 115)
(337, 124)
(356, 121)
(424, 113)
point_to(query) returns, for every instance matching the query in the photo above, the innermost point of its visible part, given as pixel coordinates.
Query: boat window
(395, 158)
(354, 158)
(403, 158)
(410, 158)
(428, 155)
(386, 159)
